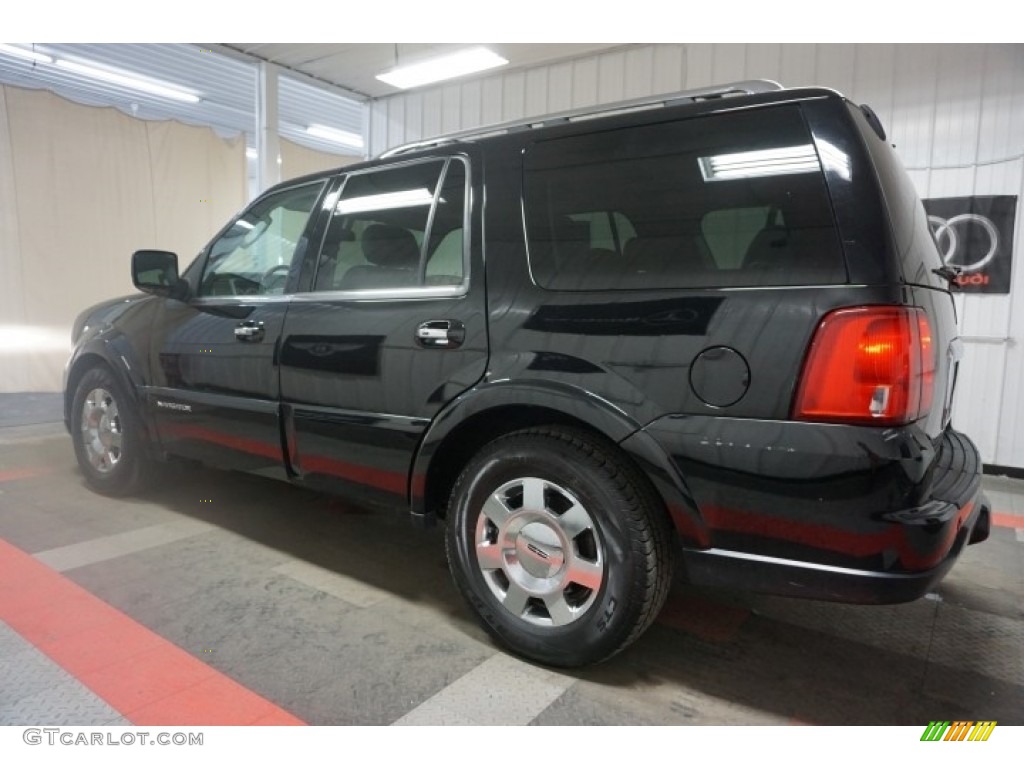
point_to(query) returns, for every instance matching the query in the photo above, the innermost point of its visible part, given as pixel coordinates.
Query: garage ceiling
(354, 66)
(226, 85)
(316, 75)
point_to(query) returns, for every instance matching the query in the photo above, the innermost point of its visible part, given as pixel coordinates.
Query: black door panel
(392, 331)
(215, 392)
(359, 399)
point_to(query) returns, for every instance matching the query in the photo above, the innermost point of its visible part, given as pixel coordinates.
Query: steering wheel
(271, 284)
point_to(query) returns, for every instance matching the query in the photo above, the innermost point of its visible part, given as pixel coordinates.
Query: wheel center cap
(539, 550)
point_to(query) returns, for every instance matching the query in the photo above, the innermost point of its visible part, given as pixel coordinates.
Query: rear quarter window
(715, 201)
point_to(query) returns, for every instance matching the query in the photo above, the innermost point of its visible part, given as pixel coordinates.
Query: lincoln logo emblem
(537, 551)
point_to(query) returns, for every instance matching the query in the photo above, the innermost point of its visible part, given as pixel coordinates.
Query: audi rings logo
(975, 235)
(954, 233)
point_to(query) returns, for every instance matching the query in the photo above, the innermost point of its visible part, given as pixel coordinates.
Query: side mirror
(157, 272)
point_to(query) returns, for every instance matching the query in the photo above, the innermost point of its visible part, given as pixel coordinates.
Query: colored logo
(960, 730)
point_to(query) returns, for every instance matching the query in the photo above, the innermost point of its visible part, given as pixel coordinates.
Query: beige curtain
(297, 160)
(81, 188)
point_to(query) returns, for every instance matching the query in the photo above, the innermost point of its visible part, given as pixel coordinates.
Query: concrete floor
(335, 615)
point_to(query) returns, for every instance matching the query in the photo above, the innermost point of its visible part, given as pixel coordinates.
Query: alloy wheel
(539, 552)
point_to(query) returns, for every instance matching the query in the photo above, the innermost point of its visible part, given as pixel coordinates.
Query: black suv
(711, 331)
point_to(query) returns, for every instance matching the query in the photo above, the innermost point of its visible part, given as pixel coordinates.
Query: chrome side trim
(726, 553)
(365, 294)
(206, 301)
(384, 294)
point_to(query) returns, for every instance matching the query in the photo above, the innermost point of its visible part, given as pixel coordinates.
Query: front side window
(714, 201)
(397, 228)
(255, 255)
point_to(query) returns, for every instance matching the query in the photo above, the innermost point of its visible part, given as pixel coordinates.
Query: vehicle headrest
(385, 245)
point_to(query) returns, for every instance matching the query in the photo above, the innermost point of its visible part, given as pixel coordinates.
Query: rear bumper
(777, 576)
(841, 513)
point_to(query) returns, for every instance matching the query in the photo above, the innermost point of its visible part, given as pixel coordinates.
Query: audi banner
(975, 234)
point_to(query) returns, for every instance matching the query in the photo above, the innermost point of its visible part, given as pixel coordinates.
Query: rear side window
(397, 228)
(716, 201)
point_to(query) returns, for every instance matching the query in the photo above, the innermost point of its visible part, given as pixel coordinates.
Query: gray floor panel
(36, 691)
(24, 408)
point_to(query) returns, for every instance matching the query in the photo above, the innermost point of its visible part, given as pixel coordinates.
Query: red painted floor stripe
(1007, 520)
(22, 473)
(146, 678)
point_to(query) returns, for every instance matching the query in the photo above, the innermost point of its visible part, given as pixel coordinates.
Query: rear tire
(110, 440)
(558, 545)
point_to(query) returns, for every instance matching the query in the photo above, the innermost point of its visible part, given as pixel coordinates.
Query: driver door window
(255, 255)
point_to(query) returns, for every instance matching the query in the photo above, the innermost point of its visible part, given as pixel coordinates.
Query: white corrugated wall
(955, 113)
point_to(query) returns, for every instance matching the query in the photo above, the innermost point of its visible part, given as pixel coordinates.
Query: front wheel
(558, 546)
(110, 440)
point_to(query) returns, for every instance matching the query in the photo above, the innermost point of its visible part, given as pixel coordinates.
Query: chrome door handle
(249, 330)
(440, 334)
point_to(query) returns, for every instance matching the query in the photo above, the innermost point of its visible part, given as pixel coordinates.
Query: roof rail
(741, 88)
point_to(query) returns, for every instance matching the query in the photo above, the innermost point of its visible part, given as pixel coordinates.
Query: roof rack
(741, 88)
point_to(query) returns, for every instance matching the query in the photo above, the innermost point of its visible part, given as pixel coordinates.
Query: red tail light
(869, 365)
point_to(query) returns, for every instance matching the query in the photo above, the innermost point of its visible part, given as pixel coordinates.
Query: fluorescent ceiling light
(128, 81)
(336, 135)
(25, 53)
(251, 153)
(406, 198)
(443, 68)
(777, 161)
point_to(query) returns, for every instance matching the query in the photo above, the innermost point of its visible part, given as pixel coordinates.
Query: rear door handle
(440, 334)
(249, 330)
